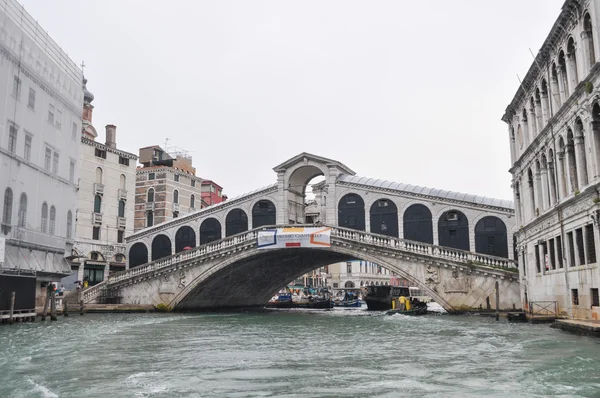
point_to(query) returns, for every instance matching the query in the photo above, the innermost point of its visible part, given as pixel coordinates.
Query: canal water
(294, 353)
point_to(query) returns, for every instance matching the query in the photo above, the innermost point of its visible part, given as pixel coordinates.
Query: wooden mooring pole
(497, 301)
(66, 308)
(45, 311)
(12, 308)
(53, 305)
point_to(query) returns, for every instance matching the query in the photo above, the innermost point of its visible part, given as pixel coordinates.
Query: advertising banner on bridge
(281, 238)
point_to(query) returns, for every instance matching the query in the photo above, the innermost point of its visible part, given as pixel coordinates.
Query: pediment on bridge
(304, 157)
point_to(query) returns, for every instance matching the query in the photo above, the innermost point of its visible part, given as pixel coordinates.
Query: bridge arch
(418, 223)
(236, 222)
(453, 230)
(384, 217)
(161, 247)
(491, 237)
(210, 230)
(184, 237)
(264, 212)
(351, 211)
(138, 254)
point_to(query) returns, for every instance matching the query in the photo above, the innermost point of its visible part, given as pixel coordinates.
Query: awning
(42, 262)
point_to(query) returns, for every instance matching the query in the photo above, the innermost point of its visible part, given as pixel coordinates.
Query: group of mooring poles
(51, 299)
(11, 316)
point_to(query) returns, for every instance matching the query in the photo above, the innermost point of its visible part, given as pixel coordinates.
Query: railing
(336, 233)
(98, 188)
(97, 218)
(543, 308)
(122, 194)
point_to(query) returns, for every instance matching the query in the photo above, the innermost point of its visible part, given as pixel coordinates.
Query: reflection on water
(326, 353)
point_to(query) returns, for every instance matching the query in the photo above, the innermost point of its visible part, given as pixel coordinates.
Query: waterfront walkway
(581, 327)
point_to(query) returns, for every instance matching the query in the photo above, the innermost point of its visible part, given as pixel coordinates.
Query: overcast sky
(408, 91)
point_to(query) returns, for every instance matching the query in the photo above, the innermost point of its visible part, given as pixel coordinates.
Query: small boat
(379, 298)
(282, 300)
(419, 309)
(350, 300)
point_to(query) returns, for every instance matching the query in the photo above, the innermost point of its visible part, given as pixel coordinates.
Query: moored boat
(379, 298)
(350, 300)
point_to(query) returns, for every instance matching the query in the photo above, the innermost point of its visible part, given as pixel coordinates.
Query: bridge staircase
(339, 236)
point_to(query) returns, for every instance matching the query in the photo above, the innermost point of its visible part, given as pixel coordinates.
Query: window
(16, 91)
(55, 163)
(193, 182)
(27, 148)
(69, 224)
(94, 256)
(52, 220)
(48, 159)
(192, 201)
(151, 176)
(100, 153)
(175, 196)
(51, 114)
(150, 195)
(219, 193)
(7, 210)
(96, 233)
(93, 275)
(575, 296)
(580, 252)
(122, 181)
(124, 161)
(120, 236)
(97, 203)
(23, 211)
(58, 123)
(571, 249)
(591, 245)
(177, 177)
(121, 208)
(537, 258)
(552, 253)
(559, 251)
(44, 218)
(98, 175)
(31, 101)
(74, 131)
(349, 267)
(72, 171)
(149, 219)
(594, 297)
(212, 189)
(12, 137)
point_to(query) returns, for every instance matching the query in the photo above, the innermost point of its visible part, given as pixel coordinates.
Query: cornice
(428, 197)
(102, 146)
(174, 170)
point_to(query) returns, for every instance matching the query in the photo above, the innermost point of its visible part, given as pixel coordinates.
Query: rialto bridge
(454, 246)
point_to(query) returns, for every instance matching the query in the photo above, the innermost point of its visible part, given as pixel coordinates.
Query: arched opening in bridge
(418, 224)
(384, 218)
(263, 213)
(161, 247)
(301, 195)
(351, 212)
(490, 237)
(236, 222)
(210, 231)
(315, 199)
(185, 237)
(138, 254)
(453, 230)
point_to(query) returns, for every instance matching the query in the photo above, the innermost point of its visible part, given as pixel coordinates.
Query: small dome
(88, 97)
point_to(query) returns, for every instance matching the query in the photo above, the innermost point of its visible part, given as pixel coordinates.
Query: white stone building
(105, 202)
(41, 97)
(356, 274)
(554, 133)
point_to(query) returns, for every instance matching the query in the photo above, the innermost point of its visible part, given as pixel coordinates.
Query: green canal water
(294, 353)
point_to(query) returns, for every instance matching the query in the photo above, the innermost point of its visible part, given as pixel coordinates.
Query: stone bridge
(233, 272)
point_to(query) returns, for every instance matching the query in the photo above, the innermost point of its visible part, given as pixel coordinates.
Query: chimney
(111, 136)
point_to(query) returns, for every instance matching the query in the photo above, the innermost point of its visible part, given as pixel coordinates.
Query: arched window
(98, 175)
(263, 213)
(210, 231)
(384, 218)
(149, 219)
(588, 40)
(121, 208)
(175, 196)
(596, 134)
(184, 238)
(562, 68)
(349, 284)
(556, 96)
(525, 124)
(351, 212)
(52, 230)
(44, 218)
(69, 224)
(236, 222)
(161, 247)
(490, 237)
(138, 255)
(572, 58)
(453, 230)
(418, 224)
(562, 169)
(583, 166)
(192, 201)
(97, 203)
(122, 181)
(7, 209)
(150, 195)
(572, 162)
(551, 178)
(531, 185)
(23, 211)
(545, 106)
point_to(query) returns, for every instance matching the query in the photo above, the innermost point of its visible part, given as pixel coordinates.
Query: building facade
(41, 97)
(356, 274)
(166, 187)
(212, 193)
(554, 132)
(105, 202)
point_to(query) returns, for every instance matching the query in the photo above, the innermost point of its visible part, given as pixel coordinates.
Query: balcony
(97, 218)
(149, 206)
(121, 222)
(176, 207)
(98, 189)
(122, 194)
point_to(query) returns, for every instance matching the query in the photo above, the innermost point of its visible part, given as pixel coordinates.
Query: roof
(211, 182)
(425, 191)
(300, 157)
